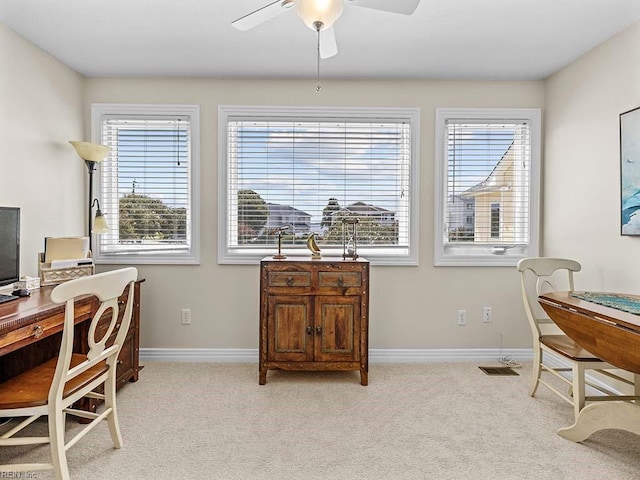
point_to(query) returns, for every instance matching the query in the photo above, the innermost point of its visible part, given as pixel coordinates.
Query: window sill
(138, 259)
(481, 260)
(253, 257)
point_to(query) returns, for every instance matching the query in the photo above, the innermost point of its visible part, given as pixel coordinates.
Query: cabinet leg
(263, 376)
(364, 377)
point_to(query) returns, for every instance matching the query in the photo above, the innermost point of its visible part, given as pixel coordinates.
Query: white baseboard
(376, 355)
(489, 356)
(220, 355)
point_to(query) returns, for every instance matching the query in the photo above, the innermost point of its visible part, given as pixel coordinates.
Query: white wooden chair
(52, 388)
(541, 275)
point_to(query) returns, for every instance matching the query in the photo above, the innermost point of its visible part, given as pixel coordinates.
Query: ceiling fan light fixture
(325, 12)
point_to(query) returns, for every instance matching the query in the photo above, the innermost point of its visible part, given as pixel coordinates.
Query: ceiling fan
(319, 15)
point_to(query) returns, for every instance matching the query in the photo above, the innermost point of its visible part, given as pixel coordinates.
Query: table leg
(599, 416)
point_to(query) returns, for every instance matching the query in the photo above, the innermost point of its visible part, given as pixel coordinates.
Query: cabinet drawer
(43, 327)
(289, 279)
(339, 279)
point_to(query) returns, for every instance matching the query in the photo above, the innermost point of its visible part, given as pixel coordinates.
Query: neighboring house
(496, 205)
(461, 213)
(380, 215)
(285, 215)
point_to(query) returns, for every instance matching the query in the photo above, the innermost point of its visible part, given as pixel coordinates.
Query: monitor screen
(9, 245)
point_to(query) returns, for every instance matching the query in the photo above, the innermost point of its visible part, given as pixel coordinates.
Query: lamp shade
(91, 152)
(100, 223)
(324, 11)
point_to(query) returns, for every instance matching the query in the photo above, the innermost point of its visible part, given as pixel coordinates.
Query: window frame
(484, 255)
(192, 255)
(377, 256)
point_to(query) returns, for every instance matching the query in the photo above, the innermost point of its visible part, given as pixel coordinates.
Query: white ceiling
(443, 39)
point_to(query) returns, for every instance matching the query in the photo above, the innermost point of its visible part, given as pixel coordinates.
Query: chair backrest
(549, 275)
(107, 287)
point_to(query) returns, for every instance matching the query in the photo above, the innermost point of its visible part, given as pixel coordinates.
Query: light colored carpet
(413, 421)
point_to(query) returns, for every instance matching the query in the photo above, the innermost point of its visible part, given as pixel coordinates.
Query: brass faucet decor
(313, 246)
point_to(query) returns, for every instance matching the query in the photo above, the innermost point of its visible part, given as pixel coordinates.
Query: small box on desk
(54, 276)
(29, 283)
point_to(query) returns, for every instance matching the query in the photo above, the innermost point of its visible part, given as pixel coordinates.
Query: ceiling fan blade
(405, 7)
(261, 15)
(328, 45)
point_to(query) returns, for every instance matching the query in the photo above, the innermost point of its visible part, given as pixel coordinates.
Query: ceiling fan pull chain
(318, 26)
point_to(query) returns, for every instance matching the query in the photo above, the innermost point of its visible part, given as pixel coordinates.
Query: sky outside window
(304, 164)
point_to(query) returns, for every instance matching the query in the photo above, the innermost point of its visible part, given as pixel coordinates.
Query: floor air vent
(498, 370)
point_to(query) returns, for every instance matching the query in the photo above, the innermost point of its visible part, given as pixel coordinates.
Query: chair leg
(535, 376)
(578, 386)
(56, 437)
(112, 418)
(636, 386)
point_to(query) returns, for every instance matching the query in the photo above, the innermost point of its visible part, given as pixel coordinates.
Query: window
(495, 220)
(148, 186)
(487, 162)
(289, 172)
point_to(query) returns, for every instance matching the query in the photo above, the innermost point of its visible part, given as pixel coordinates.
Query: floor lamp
(92, 154)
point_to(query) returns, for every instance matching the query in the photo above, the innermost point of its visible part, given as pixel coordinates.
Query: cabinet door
(290, 332)
(337, 321)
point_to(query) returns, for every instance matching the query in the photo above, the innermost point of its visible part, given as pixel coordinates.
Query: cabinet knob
(289, 281)
(309, 330)
(340, 282)
(318, 330)
(37, 331)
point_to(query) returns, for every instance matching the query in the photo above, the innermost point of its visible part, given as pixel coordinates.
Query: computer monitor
(9, 245)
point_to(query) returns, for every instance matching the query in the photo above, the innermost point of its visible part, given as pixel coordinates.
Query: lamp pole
(91, 166)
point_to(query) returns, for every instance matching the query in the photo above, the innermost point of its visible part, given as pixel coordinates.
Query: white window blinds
(489, 167)
(146, 184)
(487, 171)
(306, 175)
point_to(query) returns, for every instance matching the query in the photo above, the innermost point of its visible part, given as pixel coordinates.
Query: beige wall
(411, 307)
(581, 176)
(45, 104)
(581, 193)
(40, 109)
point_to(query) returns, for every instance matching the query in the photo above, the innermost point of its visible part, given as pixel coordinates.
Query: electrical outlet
(462, 318)
(487, 314)
(186, 316)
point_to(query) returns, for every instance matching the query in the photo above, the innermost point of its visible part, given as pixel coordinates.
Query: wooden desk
(612, 335)
(30, 333)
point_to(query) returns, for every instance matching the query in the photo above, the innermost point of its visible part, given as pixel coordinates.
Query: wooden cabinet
(314, 315)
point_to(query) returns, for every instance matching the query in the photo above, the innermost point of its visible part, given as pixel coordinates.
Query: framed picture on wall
(630, 172)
